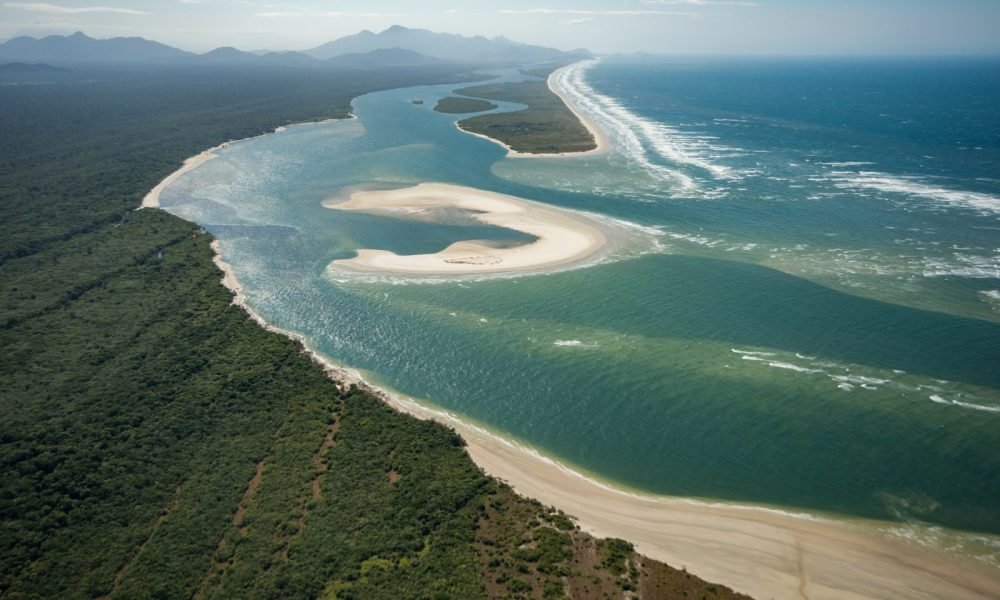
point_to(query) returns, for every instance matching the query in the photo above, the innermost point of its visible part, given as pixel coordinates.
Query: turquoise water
(803, 309)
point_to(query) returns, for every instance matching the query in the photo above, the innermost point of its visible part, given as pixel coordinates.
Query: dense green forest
(157, 443)
(456, 105)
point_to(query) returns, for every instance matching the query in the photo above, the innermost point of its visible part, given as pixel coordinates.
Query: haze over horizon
(602, 26)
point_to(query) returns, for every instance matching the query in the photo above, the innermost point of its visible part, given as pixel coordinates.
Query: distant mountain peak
(79, 48)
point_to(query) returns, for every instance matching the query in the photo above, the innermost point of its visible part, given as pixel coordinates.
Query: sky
(794, 27)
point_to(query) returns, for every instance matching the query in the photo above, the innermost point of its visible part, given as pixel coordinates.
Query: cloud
(281, 14)
(578, 21)
(698, 3)
(597, 13)
(451, 11)
(224, 2)
(53, 9)
(333, 13)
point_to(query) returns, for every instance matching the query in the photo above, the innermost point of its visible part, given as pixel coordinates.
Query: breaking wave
(638, 138)
(985, 204)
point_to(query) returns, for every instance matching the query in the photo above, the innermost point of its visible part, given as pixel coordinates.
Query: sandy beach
(762, 552)
(600, 137)
(152, 199)
(563, 237)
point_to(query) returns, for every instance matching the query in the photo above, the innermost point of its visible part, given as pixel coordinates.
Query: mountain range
(445, 46)
(396, 46)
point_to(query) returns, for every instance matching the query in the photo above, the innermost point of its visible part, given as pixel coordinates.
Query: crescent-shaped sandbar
(563, 237)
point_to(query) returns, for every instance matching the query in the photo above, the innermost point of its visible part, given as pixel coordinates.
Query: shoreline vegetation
(159, 443)
(549, 126)
(562, 237)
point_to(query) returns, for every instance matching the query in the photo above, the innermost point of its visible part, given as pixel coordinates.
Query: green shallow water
(725, 349)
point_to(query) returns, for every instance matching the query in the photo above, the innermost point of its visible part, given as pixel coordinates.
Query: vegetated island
(157, 442)
(546, 126)
(455, 106)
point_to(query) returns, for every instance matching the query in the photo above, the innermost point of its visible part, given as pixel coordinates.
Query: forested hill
(156, 443)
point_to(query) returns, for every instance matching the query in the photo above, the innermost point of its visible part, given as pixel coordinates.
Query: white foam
(573, 344)
(914, 186)
(695, 239)
(630, 131)
(980, 407)
(750, 352)
(792, 367)
(859, 379)
(973, 266)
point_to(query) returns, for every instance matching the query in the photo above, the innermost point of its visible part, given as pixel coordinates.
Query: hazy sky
(603, 26)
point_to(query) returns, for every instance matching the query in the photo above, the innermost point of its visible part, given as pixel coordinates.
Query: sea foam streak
(981, 407)
(912, 186)
(630, 130)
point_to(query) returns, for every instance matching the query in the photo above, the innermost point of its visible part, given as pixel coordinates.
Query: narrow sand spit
(600, 138)
(563, 237)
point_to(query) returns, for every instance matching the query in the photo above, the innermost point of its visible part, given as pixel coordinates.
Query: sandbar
(562, 237)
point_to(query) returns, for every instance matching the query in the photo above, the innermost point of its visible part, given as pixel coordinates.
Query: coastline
(152, 199)
(764, 552)
(561, 236)
(756, 550)
(601, 139)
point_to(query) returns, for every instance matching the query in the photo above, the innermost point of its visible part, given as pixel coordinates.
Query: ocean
(801, 311)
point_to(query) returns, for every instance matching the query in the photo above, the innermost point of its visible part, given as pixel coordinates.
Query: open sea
(802, 309)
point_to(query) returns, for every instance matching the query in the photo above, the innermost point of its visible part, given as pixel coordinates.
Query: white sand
(762, 552)
(152, 199)
(564, 237)
(600, 138)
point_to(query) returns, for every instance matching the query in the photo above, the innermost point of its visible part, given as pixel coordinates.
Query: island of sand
(562, 237)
